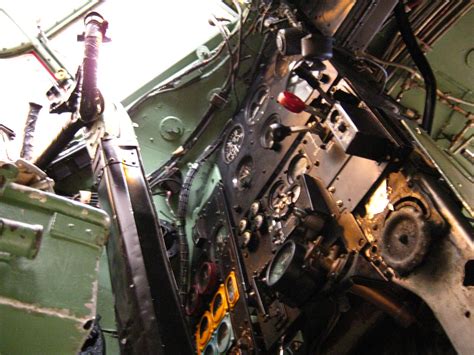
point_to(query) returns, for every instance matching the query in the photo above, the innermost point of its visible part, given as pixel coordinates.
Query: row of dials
(235, 138)
(255, 111)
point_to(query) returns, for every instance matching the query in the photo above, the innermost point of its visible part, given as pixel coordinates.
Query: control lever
(279, 132)
(294, 104)
(304, 72)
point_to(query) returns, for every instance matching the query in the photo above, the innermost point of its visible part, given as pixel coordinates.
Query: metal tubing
(93, 37)
(62, 139)
(385, 303)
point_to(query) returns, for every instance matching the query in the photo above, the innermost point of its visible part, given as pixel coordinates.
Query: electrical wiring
(174, 82)
(239, 50)
(183, 208)
(164, 171)
(380, 67)
(226, 39)
(417, 75)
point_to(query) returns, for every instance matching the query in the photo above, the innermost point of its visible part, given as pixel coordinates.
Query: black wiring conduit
(181, 215)
(421, 62)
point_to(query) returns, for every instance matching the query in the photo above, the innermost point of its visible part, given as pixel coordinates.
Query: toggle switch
(279, 132)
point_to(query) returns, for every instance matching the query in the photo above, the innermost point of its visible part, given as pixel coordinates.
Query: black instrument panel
(275, 194)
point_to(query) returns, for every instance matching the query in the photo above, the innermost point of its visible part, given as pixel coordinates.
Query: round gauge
(193, 301)
(206, 278)
(224, 336)
(281, 198)
(266, 136)
(210, 349)
(286, 274)
(204, 329)
(294, 193)
(218, 305)
(257, 105)
(280, 263)
(233, 144)
(220, 241)
(277, 199)
(299, 165)
(231, 289)
(244, 174)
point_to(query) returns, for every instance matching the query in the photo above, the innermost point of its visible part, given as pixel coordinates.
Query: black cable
(171, 85)
(155, 176)
(226, 39)
(422, 64)
(238, 52)
(183, 208)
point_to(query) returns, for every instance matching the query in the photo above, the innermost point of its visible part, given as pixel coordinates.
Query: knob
(334, 116)
(342, 127)
(294, 104)
(279, 132)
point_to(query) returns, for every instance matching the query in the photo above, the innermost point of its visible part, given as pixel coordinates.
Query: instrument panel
(272, 195)
(295, 192)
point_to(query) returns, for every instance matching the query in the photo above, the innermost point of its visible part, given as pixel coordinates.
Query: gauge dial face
(298, 165)
(257, 105)
(223, 337)
(217, 303)
(280, 263)
(281, 198)
(233, 144)
(294, 193)
(243, 177)
(277, 199)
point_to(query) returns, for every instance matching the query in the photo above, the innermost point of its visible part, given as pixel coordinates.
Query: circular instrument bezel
(288, 250)
(265, 132)
(238, 144)
(257, 105)
(292, 173)
(248, 163)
